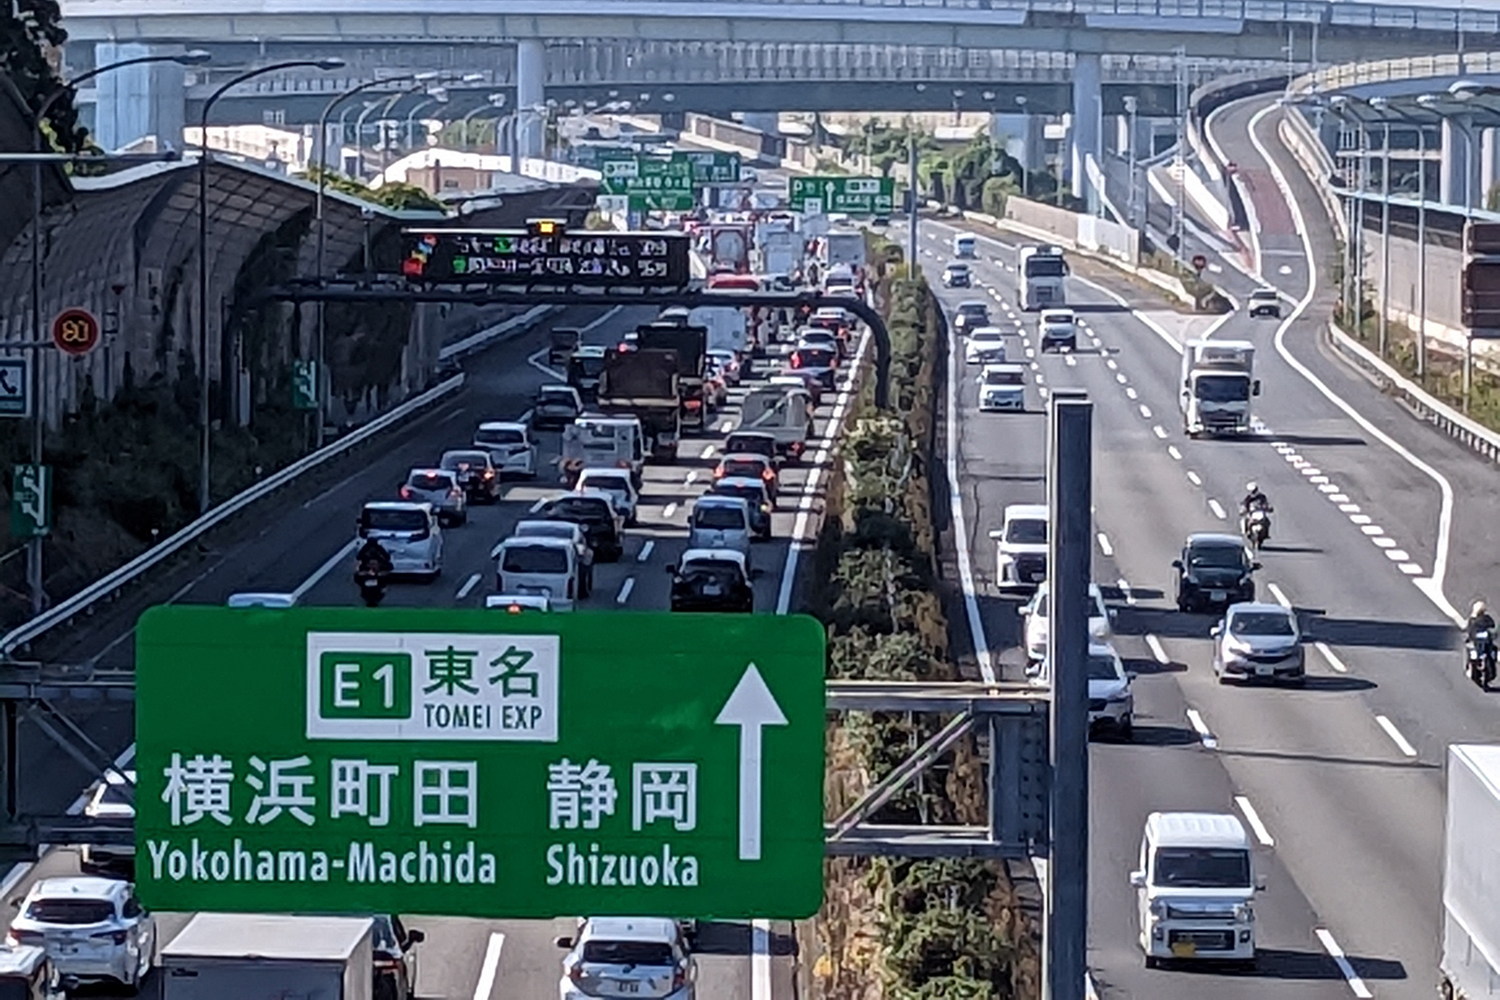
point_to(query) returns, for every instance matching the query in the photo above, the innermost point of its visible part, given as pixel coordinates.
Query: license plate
(1216, 595)
(712, 590)
(1262, 670)
(627, 986)
(67, 949)
(1184, 949)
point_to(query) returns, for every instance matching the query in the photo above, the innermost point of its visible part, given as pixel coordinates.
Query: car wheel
(1152, 962)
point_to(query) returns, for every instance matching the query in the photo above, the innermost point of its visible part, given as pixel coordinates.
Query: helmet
(1252, 487)
(1477, 610)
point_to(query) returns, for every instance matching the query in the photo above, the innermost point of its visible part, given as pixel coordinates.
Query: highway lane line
(1360, 518)
(1160, 432)
(1145, 411)
(1104, 546)
(17, 872)
(1356, 984)
(325, 569)
(1372, 529)
(1070, 361)
(491, 964)
(1253, 818)
(1328, 488)
(688, 480)
(1217, 508)
(540, 503)
(1311, 471)
(708, 450)
(1411, 569)
(1431, 585)
(545, 369)
(1125, 591)
(625, 589)
(1349, 508)
(1194, 478)
(1172, 450)
(1158, 650)
(669, 509)
(646, 550)
(1120, 378)
(1385, 542)
(1205, 735)
(1316, 480)
(1395, 734)
(1338, 498)
(760, 960)
(1280, 595)
(1130, 393)
(1329, 655)
(468, 587)
(1110, 364)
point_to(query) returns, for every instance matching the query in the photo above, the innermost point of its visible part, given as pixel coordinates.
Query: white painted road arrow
(750, 707)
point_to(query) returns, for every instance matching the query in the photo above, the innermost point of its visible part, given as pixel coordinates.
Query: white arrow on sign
(750, 707)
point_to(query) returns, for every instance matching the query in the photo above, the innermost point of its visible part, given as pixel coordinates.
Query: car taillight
(115, 937)
(489, 473)
(679, 978)
(387, 965)
(420, 536)
(575, 972)
(406, 493)
(622, 464)
(455, 493)
(26, 937)
(693, 404)
(719, 472)
(796, 361)
(767, 474)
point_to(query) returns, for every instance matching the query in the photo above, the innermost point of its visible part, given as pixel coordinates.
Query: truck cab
(964, 245)
(1194, 888)
(1217, 384)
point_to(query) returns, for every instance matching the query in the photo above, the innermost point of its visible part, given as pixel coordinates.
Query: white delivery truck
(262, 956)
(726, 327)
(1041, 277)
(780, 252)
(1195, 889)
(844, 246)
(1218, 379)
(1470, 963)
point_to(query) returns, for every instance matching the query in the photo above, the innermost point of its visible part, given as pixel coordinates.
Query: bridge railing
(1358, 74)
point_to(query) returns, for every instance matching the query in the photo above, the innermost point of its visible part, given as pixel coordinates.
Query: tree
(29, 36)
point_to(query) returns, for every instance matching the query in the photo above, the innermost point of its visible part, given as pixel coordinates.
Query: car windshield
(1216, 557)
(987, 333)
(597, 481)
(958, 268)
(73, 910)
(1044, 266)
(750, 443)
(743, 467)
(579, 508)
(599, 952)
(973, 311)
(1260, 623)
(591, 367)
(458, 460)
(544, 529)
(1009, 377)
(1057, 319)
(813, 356)
(430, 481)
(499, 437)
(555, 397)
(1026, 531)
(382, 519)
(1202, 867)
(1223, 388)
(383, 936)
(1102, 668)
(718, 517)
(534, 559)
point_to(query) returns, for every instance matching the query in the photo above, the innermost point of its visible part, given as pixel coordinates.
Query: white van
(547, 567)
(720, 522)
(1195, 889)
(409, 533)
(603, 442)
(965, 244)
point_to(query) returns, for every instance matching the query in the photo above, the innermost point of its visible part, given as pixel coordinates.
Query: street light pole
(194, 57)
(204, 496)
(1132, 103)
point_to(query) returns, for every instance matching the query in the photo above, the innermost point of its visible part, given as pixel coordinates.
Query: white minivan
(545, 567)
(720, 522)
(1195, 889)
(408, 532)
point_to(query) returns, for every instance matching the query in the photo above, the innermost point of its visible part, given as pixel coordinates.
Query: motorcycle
(371, 580)
(1256, 527)
(1480, 658)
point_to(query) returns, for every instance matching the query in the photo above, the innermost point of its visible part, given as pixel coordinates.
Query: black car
(957, 276)
(556, 406)
(1214, 572)
(970, 315)
(395, 961)
(476, 474)
(711, 580)
(754, 493)
(597, 518)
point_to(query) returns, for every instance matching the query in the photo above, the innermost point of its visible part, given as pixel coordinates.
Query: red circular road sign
(75, 331)
(1200, 262)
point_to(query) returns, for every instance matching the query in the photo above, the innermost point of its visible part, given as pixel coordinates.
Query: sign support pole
(1070, 479)
(911, 235)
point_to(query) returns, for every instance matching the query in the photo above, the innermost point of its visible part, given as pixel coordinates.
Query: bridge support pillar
(1489, 165)
(531, 96)
(138, 101)
(1084, 136)
(1456, 171)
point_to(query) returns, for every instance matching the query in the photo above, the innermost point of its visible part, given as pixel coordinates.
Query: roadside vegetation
(892, 928)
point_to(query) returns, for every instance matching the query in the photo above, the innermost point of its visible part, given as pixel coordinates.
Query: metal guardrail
(113, 582)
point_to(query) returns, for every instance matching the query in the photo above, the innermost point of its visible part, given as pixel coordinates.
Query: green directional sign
(711, 166)
(651, 183)
(479, 763)
(30, 501)
(304, 385)
(851, 195)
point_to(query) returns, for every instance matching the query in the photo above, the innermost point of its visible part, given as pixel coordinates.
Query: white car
(1059, 330)
(510, 447)
(617, 483)
(409, 533)
(516, 604)
(1037, 618)
(545, 567)
(1111, 702)
(985, 345)
(1002, 387)
(628, 957)
(91, 928)
(1021, 547)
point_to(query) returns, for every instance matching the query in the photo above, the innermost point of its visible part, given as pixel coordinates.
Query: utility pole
(1385, 232)
(911, 234)
(1132, 105)
(1179, 161)
(1069, 480)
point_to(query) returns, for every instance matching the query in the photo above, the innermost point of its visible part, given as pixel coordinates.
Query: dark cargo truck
(644, 384)
(563, 342)
(690, 345)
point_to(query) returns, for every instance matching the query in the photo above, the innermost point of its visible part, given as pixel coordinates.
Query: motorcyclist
(1254, 499)
(1479, 621)
(372, 555)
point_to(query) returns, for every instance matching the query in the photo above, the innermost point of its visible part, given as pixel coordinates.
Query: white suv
(1021, 547)
(628, 956)
(510, 447)
(1038, 619)
(91, 928)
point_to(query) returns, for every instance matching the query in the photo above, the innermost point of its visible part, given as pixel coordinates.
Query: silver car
(645, 957)
(440, 488)
(1258, 640)
(719, 522)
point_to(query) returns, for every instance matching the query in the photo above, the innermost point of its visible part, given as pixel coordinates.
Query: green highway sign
(30, 501)
(851, 195)
(477, 763)
(304, 385)
(711, 167)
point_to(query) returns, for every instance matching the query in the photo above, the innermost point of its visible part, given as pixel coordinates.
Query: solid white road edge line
(1205, 735)
(490, 966)
(325, 569)
(1396, 737)
(1356, 984)
(535, 361)
(760, 959)
(1432, 586)
(961, 529)
(1328, 654)
(1158, 650)
(1253, 818)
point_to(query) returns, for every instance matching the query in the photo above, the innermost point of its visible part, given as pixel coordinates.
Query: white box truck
(257, 956)
(726, 327)
(1470, 962)
(1218, 379)
(844, 247)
